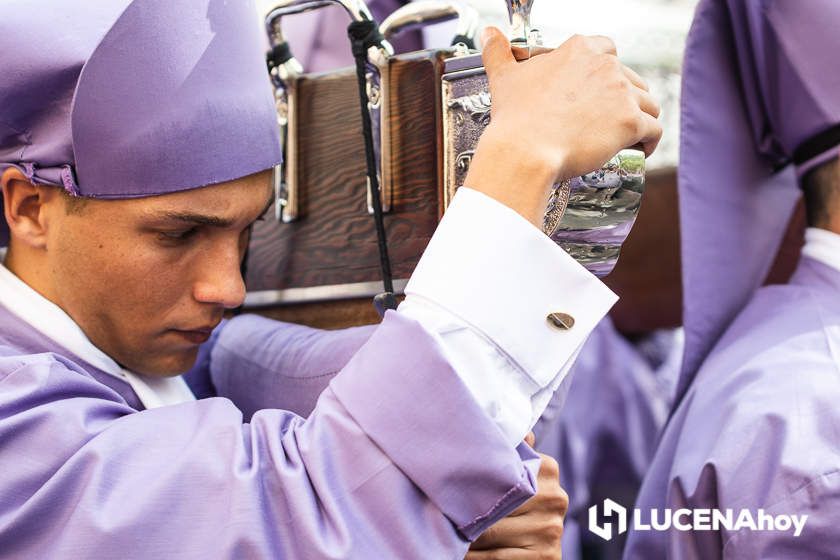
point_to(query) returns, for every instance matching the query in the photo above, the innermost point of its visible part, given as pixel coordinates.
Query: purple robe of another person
(757, 424)
(759, 428)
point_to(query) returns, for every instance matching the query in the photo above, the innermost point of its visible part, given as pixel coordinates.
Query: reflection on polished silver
(430, 12)
(520, 20)
(600, 211)
(283, 79)
(285, 177)
(356, 9)
(589, 216)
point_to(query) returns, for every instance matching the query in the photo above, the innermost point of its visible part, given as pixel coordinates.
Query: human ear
(24, 205)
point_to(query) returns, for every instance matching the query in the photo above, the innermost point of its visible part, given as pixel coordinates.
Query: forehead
(232, 199)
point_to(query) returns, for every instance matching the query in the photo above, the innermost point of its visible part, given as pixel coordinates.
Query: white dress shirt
(823, 246)
(484, 287)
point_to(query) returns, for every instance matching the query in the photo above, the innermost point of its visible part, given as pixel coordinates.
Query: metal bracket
(286, 180)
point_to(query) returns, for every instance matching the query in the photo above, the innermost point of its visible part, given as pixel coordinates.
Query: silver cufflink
(562, 321)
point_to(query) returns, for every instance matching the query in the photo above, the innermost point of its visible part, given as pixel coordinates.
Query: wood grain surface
(334, 241)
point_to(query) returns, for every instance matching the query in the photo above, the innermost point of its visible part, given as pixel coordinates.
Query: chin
(168, 365)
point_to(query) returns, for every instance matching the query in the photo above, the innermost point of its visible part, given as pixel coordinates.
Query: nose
(220, 279)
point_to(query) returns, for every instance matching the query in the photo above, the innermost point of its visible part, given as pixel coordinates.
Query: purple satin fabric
(757, 82)
(86, 474)
(758, 428)
(131, 99)
(604, 433)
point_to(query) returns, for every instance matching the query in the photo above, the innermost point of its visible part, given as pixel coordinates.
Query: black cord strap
(817, 145)
(363, 35)
(469, 43)
(278, 55)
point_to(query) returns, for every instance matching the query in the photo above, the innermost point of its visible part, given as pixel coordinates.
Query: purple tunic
(759, 428)
(756, 425)
(604, 435)
(88, 474)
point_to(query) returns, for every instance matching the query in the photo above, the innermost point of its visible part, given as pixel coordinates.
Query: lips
(195, 336)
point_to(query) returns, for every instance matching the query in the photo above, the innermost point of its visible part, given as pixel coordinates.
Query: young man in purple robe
(756, 433)
(136, 143)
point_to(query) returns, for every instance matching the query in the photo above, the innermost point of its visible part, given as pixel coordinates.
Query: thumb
(496, 52)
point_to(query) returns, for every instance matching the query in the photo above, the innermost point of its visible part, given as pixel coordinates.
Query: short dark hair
(821, 190)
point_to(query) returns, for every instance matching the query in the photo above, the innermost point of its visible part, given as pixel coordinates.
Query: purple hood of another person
(758, 95)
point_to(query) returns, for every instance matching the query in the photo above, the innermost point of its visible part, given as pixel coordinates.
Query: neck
(832, 225)
(32, 270)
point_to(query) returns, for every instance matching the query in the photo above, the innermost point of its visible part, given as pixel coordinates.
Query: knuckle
(657, 109)
(620, 84)
(554, 531)
(577, 40)
(557, 503)
(609, 69)
(549, 466)
(563, 499)
(632, 123)
(608, 43)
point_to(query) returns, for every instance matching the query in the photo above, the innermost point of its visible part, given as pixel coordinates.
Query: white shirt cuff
(496, 272)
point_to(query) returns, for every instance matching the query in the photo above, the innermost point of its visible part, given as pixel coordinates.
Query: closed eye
(177, 235)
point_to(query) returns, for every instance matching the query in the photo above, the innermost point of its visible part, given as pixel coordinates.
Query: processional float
(330, 237)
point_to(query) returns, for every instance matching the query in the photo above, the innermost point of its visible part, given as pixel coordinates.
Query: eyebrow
(205, 220)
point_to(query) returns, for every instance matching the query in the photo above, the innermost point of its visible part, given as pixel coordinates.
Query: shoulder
(762, 414)
(46, 377)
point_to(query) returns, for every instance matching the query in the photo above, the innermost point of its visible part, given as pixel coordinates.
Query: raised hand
(557, 115)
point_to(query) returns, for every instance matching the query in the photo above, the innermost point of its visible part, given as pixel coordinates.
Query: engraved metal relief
(466, 112)
(476, 107)
(557, 203)
(588, 216)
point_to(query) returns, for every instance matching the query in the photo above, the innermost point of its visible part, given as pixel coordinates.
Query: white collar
(823, 246)
(52, 322)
